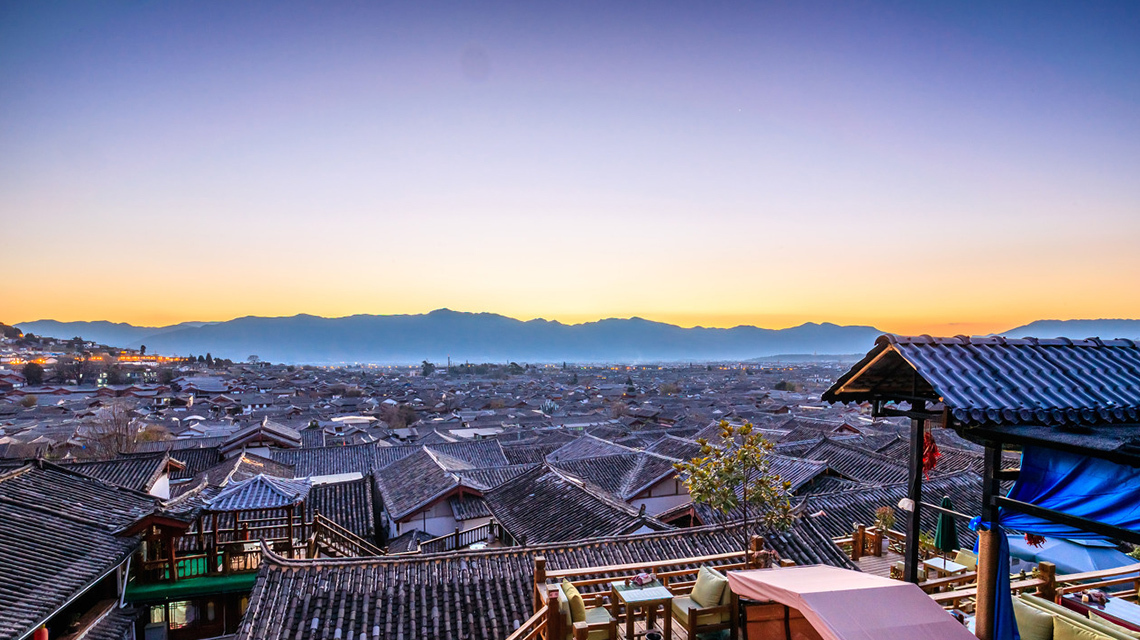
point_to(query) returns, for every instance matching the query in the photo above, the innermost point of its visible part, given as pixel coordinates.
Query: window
(158, 613)
(181, 614)
(210, 611)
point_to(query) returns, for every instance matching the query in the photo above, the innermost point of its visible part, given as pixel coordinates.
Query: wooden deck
(879, 565)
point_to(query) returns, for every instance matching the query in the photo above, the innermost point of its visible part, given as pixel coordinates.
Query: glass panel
(181, 614)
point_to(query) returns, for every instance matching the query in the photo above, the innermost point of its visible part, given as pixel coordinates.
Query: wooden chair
(696, 618)
(598, 625)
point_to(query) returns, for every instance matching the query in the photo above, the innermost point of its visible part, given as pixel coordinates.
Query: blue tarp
(1071, 483)
(1077, 485)
(1069, 556)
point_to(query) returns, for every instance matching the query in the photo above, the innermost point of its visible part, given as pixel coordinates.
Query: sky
(922, 167)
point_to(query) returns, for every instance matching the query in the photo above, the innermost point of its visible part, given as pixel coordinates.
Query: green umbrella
(946, 533)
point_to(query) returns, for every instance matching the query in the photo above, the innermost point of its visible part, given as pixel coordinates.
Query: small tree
(734, 475)
(113, 431)
(427, 369)
(33, 374)
(28, 401)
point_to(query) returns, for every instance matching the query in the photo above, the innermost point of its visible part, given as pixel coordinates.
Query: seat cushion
(709, 588)
(681, 606)
(1097, 619)
(1064, 629)
(577, 605)
(594, 615)
(1032, 623)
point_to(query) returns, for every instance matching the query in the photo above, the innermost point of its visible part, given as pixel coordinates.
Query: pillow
(1096, 616)
(1032, 623)
(726, 597)
(1065, 630)
(577, 604)
(708, 589)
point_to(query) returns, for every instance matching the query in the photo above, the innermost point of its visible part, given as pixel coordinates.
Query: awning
(848, 605)
(190, 587)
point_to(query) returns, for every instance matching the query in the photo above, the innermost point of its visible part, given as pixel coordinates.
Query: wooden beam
(1076, 522)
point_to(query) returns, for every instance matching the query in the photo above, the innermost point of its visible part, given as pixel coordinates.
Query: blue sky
(714, 163)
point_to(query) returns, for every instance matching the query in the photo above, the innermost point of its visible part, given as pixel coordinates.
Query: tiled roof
(414, 482)
(265, 431)
(521, 454)
(1004, 381)
(487, 479)
(587, 446)
(242, 467)
(857, 464)
(797, 471)
(851, 505)
(473, 595)
(544, 505)
(58, 537)
(348, 504)
(260, 492)
(133, 472)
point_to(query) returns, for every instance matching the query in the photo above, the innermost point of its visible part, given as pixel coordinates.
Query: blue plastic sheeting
(1077, 485)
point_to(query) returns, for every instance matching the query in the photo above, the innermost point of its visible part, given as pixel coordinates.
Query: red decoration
(930, 454)
(1034, 540)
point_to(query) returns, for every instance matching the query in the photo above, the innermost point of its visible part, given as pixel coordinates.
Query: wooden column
(914, 492)
(539, 580)
(553, 615)
(988, 542)
(289, 515)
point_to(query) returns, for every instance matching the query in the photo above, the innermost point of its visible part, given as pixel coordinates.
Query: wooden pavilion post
(289, 515)
(914, 490)
(988, 544)
(539, 580)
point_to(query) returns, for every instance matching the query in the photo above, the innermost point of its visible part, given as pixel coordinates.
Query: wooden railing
(332, 537)
(1099, 579)
(533, 628)
(676, 574)
(461, 539)
(224, 559)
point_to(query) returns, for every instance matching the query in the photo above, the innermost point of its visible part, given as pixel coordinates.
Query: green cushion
(577, 604)
(1032, 623)
(709, 588)
(594, 615)
(726, 596)
(1098, 620)
(681, 606)
(1064, 629)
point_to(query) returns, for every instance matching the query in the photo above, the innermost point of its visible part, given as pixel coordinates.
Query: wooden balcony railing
(1099, 579)
(333, 538)
(533, 629)
(676, 574)
(461, 539)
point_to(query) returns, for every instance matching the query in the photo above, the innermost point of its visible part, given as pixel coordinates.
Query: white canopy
(848, 605)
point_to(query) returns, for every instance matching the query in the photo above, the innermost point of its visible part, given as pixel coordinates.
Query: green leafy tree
(733, 477)
(33, 373)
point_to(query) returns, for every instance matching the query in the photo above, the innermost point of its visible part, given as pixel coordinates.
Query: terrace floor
(879, 565)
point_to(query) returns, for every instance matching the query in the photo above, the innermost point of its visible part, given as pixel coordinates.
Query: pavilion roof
(998, 381)
(261, 492)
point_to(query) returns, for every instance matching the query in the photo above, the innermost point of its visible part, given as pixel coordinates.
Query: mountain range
(487, 337)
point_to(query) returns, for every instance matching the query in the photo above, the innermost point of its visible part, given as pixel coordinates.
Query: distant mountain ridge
(488, 337)
(1105, 328)
(473, 337)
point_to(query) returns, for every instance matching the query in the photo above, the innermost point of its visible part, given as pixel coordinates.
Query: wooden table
(943, 567)
(649, 597)
(1123, 613)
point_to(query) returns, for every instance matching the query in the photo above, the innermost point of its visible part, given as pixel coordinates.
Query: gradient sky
(918, 166)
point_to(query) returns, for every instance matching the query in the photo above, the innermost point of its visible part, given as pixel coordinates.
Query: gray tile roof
(58, 536)
(260, 492)
(474, 595)
(1004, 381)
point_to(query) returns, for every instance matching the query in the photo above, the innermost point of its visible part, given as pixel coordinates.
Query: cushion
(1032, 623)
(577, 605)
(967, 559)
(726, 596)
(1064, 629)
(595, 615)
(1096, 617)
(681, 606)
(709, 588)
